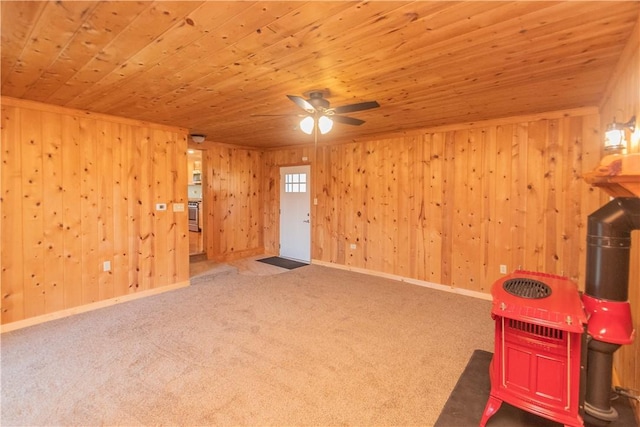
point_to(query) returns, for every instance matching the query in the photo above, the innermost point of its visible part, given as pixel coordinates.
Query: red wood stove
(536, 366)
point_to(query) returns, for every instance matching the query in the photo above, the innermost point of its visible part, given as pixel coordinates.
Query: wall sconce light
(615, 138)
(325, 124)
(198, 138)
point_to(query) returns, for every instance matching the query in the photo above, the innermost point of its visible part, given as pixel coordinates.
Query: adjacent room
(313, 213)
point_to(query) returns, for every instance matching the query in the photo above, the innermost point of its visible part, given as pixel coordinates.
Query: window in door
(295, 183)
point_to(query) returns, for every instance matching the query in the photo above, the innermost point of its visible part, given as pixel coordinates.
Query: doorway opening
(194, 177)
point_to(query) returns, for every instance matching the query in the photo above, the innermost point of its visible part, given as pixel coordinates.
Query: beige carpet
(312, 346)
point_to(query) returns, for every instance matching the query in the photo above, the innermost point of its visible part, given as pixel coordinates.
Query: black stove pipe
(607, 278)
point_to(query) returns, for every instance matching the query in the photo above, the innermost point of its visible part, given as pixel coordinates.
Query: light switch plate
(178, 207)
(161, 206)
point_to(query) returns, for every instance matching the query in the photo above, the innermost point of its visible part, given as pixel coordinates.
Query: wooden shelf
(617, 174)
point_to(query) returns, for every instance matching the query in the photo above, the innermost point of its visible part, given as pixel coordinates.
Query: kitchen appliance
(194, 215)
(196, 177)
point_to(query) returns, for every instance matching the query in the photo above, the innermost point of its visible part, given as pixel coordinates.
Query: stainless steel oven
(194, 216)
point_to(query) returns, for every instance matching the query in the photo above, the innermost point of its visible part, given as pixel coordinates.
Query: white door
(295, 219)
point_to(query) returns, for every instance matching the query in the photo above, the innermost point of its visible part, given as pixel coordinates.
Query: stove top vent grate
(527, 288)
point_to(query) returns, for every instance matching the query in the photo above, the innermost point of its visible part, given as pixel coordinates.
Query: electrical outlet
(503, 269)
(178, 207)
(106, 266)
(352, 246)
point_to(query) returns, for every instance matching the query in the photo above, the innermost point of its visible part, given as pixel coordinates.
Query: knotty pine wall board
(79, 189)
(232, 198)
(621, 101)
(450, 207)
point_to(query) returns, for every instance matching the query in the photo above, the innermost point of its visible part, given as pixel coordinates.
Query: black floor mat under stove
(469, 397)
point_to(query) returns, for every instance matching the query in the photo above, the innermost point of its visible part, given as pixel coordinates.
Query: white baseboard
(19, 324)
(437, 286)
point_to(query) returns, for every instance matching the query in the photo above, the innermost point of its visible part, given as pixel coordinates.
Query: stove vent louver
(527, 288)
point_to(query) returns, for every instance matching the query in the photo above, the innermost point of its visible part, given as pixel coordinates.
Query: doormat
(282, 262)
(466, 403)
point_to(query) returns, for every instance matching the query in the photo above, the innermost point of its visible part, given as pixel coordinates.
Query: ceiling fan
(318, 111)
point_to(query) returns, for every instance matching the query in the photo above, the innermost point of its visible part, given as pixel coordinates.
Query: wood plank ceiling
(210, 66)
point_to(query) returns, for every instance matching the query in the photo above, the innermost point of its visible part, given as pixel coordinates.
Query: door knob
(306, 220)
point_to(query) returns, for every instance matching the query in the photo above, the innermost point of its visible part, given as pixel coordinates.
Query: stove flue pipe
(605, 297)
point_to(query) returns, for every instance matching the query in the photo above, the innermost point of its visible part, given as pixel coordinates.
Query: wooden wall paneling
(226, 208)
(591, 198)
(389, 188)
(322, 215)
(120, 263)
(145, 209)
(329, 188)
(208, 194)
(373, 239)
(268, 189)
(621, 101)
(81, 186)
(72, 172)
(351, 207)
(459, 211)
(518, 197)
(403, 195)
(434, 200)
(89, 210)
(33, 214)
(342, 196)
(234, 190)
(475, 219)
(134, 203)
(574, 219)
(12, 239)
(182, 247)
(536, 144)
(251, 200)
(105, 184)
(489, 210)
(552, 189)
(448, 207)
(236, 217)
(415, 239)
(176, 175)
(331, 247)
(256, 199)
(503, 207)
(161, 171)
(52, 200)
(317, 173)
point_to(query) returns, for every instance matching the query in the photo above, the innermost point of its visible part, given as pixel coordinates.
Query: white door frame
(295, 215)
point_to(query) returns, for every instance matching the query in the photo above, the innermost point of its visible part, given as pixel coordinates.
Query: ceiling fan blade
(356, 107)
(346, 120)
(302, 103)
(277, 115)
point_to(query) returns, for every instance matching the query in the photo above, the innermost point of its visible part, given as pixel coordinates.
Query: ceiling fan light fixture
(325, 124)
(306, 125)
(198, 138)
